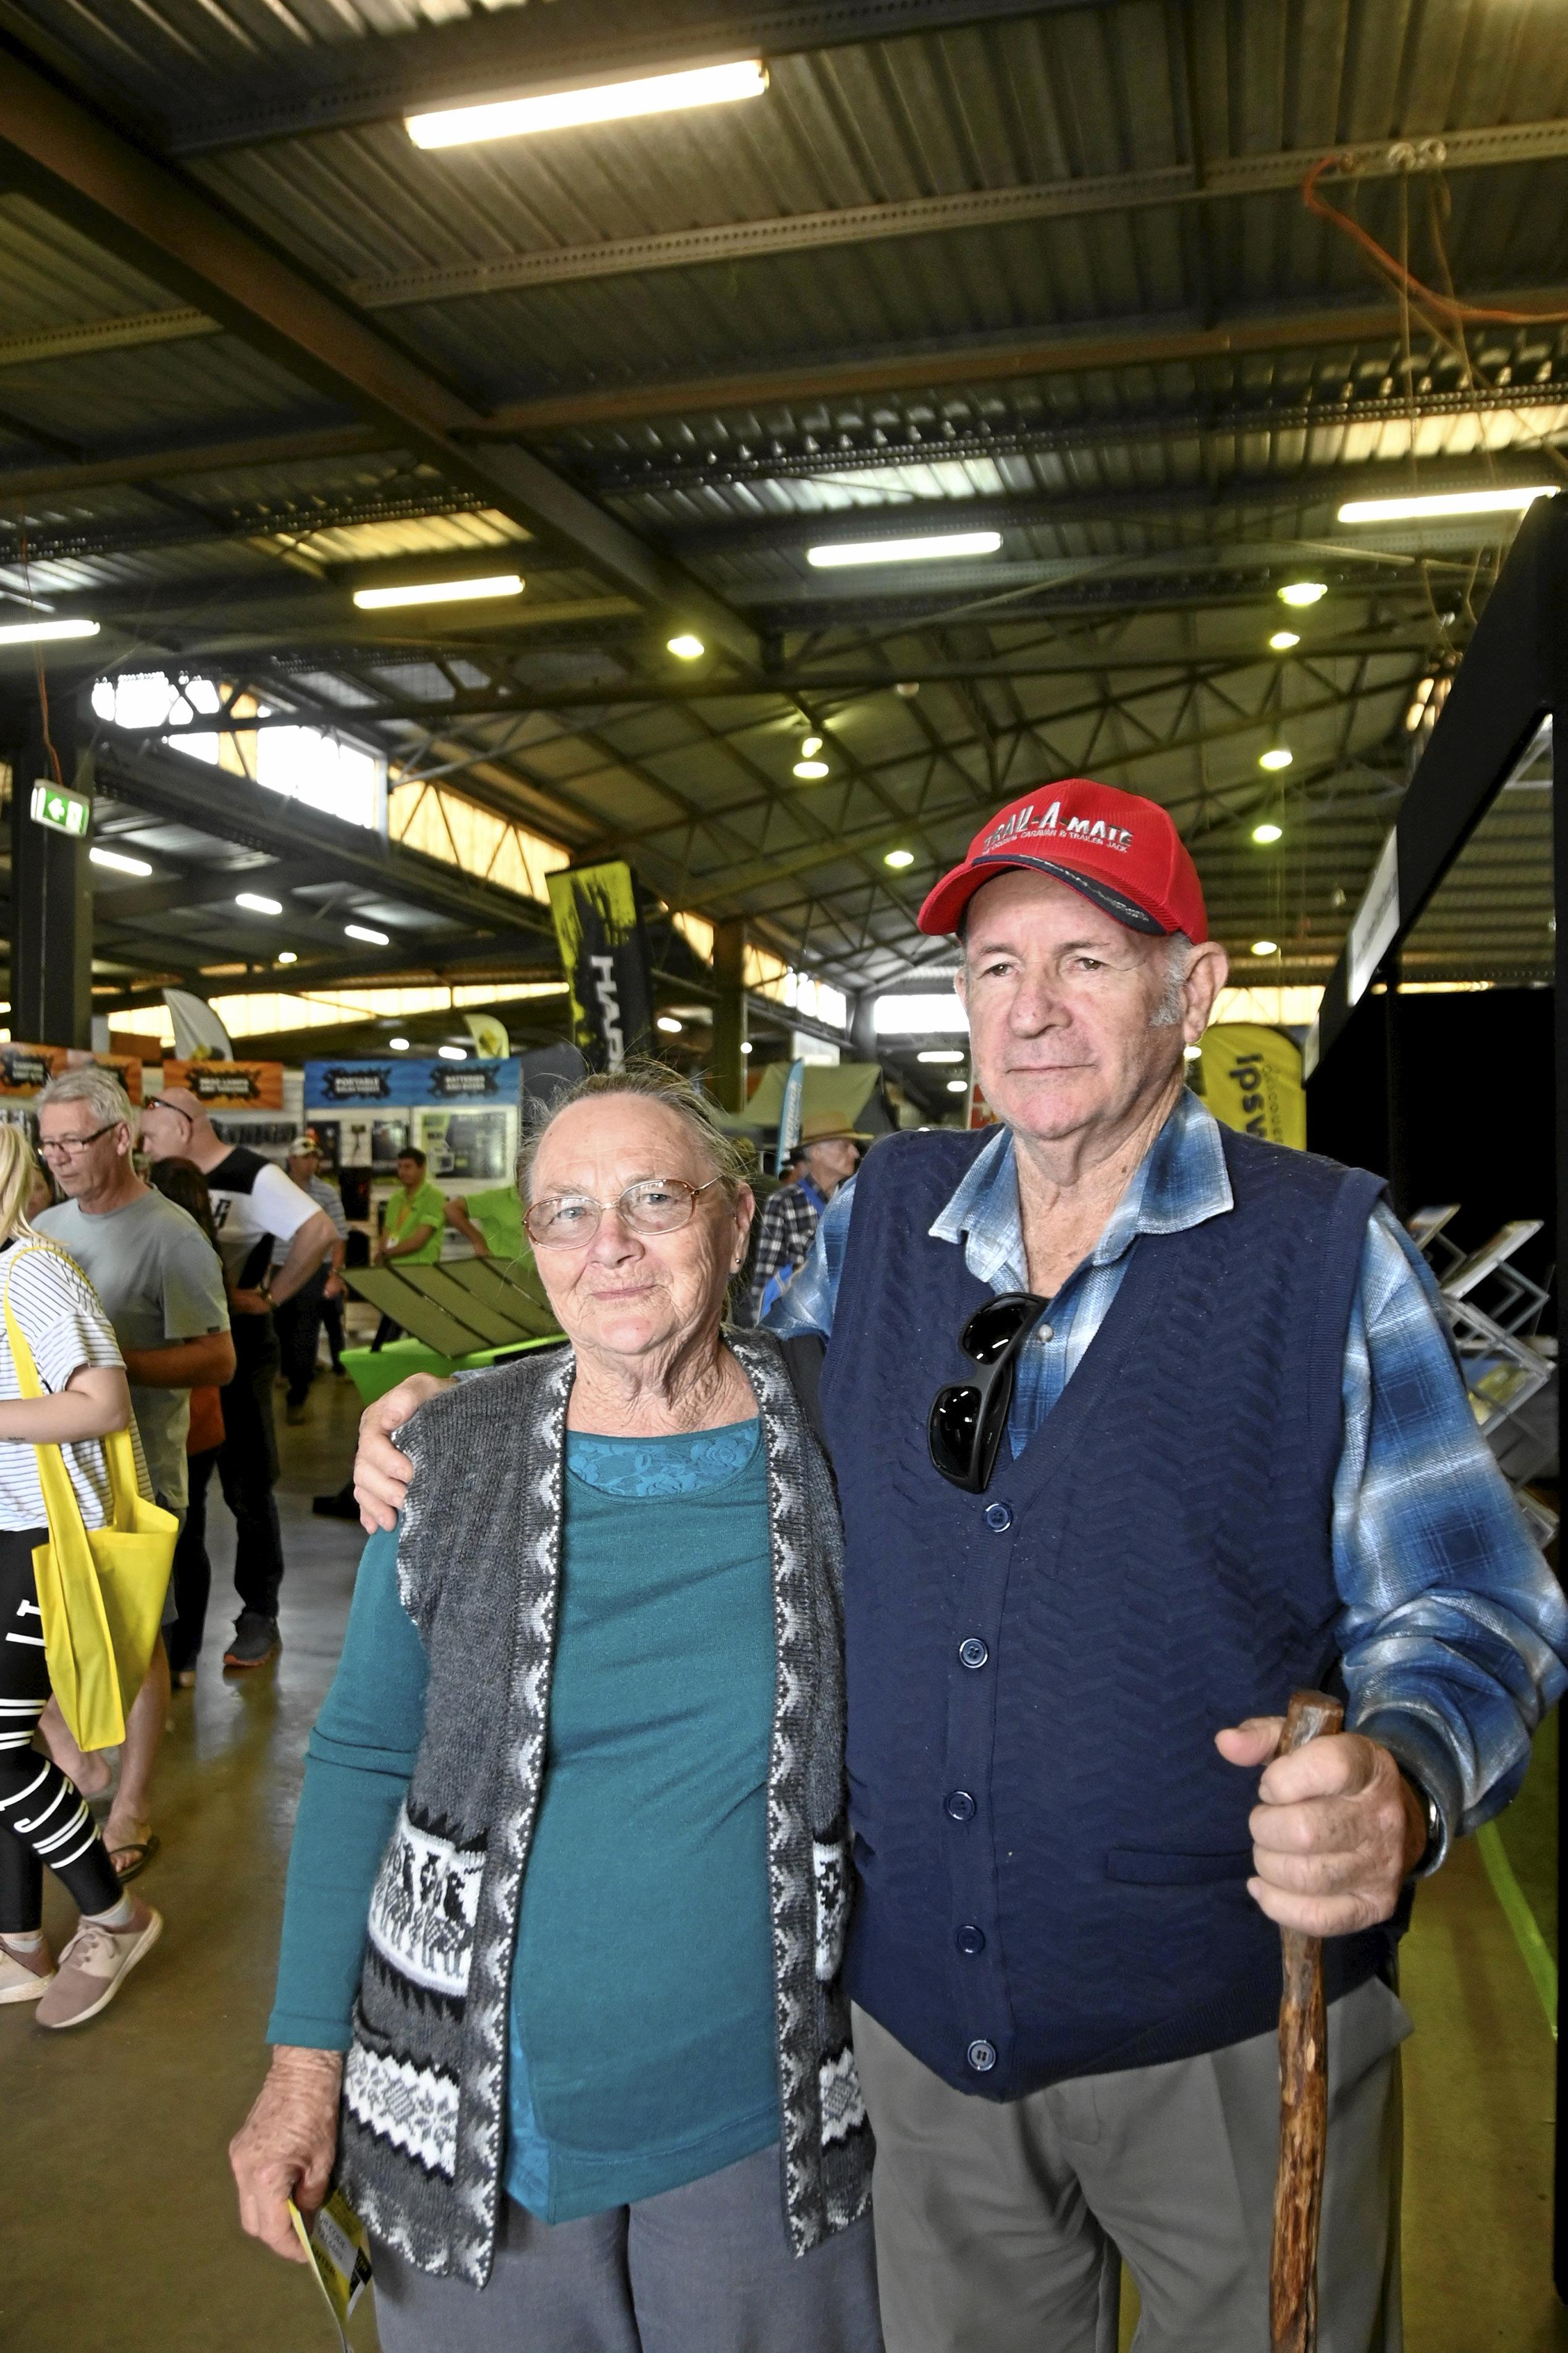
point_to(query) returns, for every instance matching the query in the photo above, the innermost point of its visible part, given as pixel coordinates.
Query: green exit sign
(62, 810)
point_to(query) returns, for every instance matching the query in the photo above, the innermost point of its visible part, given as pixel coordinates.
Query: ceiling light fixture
(1444, 503)
(453, 1053)
(28, 633)
(1282, 641)
(810, 745)
(941, 1054)
(372, 939)
(745, 1045)
(958, 1086)
(439, 592)
(1267, 832)
(1265, 948)
(1275, 758)
(899, 858)
(903, 551)
(567, 110)
(286, 955)
(398, 1045)
(118, 861)
(1303, 592)
(687, 647)
(668, 1024)
(811, 771)
(256, 903)
(1192, 1053)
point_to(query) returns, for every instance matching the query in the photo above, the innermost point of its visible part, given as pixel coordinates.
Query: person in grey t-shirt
(162, 1288)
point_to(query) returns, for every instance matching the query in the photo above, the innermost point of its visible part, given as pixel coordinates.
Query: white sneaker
(24, 1973)
(96, 1964)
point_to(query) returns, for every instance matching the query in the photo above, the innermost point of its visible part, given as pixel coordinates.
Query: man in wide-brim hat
(826, 1157)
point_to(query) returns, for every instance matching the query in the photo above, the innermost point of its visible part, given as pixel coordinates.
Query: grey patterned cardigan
(422, 2133)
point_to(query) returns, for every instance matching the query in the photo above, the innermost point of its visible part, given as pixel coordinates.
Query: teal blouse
(642, 2044)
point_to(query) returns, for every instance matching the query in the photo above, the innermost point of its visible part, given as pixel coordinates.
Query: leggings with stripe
(42, 1818)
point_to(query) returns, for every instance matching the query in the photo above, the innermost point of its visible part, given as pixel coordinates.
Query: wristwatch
(1431, 1813)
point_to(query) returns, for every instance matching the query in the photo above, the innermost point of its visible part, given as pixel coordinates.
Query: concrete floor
(116, 2224)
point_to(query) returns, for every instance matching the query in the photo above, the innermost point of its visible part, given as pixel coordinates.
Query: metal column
(729, 1067)
(51, 893)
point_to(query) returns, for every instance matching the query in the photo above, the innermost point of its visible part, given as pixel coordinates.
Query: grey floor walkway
(117, 2226)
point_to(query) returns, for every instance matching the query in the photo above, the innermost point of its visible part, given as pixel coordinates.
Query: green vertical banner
(604, 954)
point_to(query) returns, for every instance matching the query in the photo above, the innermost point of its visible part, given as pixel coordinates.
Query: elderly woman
(574, 1821)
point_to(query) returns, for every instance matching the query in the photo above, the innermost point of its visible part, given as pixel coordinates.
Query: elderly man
(825, 1159)
(153, 1268)
(254, 1204)
(1138, 1424)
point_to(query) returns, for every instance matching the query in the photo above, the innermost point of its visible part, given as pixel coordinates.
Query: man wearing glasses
(1137, 1426)
(254, 1205)
(163, 1291)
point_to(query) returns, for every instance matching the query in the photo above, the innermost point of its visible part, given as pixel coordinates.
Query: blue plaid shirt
(1453, 1631)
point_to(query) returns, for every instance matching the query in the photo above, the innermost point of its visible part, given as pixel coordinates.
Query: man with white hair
(1139, 1424)
(254, 1204)
(163, 1291)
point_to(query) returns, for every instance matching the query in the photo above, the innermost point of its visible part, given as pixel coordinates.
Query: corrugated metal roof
(1166, 498)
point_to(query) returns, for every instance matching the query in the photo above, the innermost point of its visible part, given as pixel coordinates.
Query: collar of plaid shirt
(1180, 1182)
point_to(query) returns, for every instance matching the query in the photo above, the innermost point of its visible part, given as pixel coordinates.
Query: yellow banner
(1252, 1081)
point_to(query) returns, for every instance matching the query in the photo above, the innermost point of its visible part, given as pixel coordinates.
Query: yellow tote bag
(101, 1590)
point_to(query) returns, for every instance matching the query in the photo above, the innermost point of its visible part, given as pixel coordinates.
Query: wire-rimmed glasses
(654, 1205)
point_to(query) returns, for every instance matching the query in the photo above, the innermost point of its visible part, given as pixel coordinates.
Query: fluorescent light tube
(565, 109)
(257, 904)
(363, 932)
(1444, 503)
(903, 551)
(439, 592)
(28, 633)
(453, 1053)
(119, 861)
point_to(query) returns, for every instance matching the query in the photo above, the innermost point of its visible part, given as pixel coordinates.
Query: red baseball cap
(1119, 850)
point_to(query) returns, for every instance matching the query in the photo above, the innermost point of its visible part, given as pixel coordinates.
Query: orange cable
(1392, 268)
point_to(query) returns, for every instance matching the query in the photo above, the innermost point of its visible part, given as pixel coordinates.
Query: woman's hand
(381, 1473)
(284, 2148)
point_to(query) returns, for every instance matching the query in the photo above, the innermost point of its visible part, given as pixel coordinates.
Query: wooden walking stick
(1303, 2096)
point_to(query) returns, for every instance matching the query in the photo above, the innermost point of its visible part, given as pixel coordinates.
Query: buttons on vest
(999, 1516)
(970, 1938)
(973, 1652)
(981, 2056)
(959, 1805)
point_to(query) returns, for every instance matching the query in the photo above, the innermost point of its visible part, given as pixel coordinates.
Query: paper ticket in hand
(339, 2249)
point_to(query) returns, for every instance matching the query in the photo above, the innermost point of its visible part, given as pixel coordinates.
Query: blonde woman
(42, 1818)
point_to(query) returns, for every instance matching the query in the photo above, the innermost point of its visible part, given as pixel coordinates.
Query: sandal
(141, 1852)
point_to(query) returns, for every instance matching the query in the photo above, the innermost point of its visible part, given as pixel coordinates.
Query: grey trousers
(703, 2269)
(1001, 2227)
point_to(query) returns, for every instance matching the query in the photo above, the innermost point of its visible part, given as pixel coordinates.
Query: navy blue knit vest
(1052, 1852)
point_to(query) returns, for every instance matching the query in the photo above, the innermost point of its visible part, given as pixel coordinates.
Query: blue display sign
(408, 1081)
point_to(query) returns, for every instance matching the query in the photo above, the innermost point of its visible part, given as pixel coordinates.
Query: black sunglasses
(964, 1432)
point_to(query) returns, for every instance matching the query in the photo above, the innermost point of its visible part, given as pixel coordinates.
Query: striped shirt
(1453, 1631)
(66, 1328)
(325, 1197)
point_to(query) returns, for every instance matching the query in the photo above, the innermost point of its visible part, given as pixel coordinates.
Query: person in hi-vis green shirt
(411, 1225)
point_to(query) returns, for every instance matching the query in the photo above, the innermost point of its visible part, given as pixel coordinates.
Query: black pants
(192, 1572)
(333, 1317)
(299, 1321)
(42, 1818)
(248, 1465)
